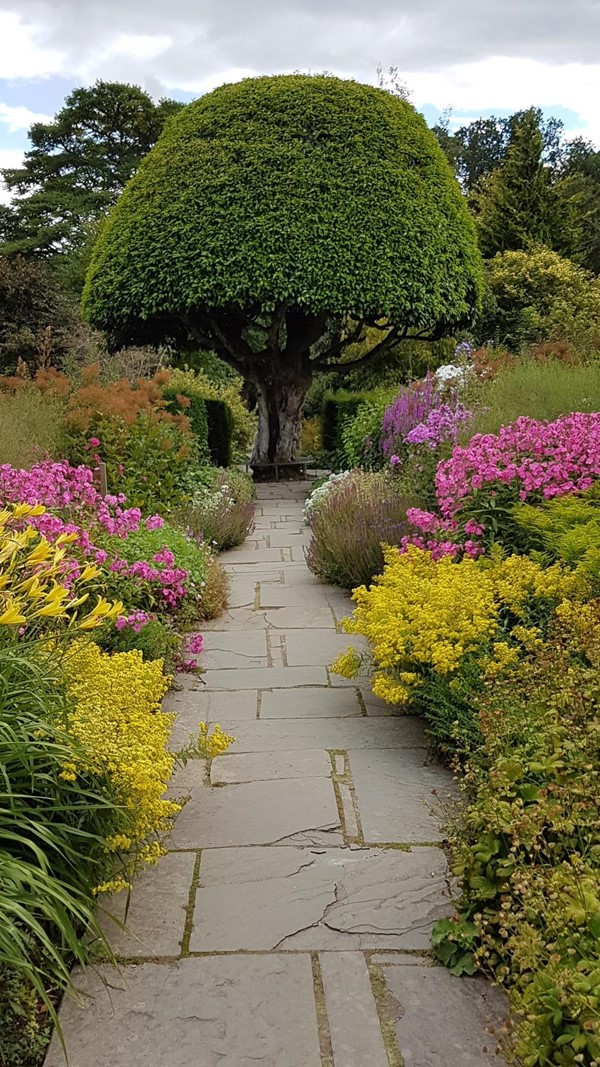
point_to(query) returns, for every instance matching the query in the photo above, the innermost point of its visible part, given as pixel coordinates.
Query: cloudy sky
(476, 56)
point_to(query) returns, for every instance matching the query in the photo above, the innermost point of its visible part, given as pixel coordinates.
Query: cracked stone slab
(310, 702)
(442, 1020)
(401, 797)
(190, 709)
(265, 677)
(155, 918)
(237, 619)
(239, 648)
(250, 557)
(268, 766)
(301, 618)
(253, 899)
(287, 735)
(319, 646)
(354, 1025)
(258, 813)
(194, 1013)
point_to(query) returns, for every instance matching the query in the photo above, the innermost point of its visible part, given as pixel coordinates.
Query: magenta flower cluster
(134, 621)
(542, 459)
(76, 506)
(442, 424)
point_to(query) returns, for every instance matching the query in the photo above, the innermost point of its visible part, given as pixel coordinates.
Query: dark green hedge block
(337, 407)
(196, 413)
(220, 432)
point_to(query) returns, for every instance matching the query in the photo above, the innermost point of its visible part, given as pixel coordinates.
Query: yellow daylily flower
(20, 510)
(90, 571)
(12, 614)
(40, 553)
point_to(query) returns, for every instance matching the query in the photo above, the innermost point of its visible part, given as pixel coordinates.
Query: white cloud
(21, 53)
(20, 118)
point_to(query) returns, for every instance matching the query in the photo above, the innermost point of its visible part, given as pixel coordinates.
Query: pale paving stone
(242, 705)
(310, 702)
(195, 1013)
(286, 596)
(265, 677)
(354, 1026)
(285, 735)
(400, 797)
(301, 618)
(237, 619)
(155, 918)
(251, 557)
(268, 766)
(289, 537)
(319, 646)
(190, 710)
(234, 649)
(258, 813)
(315, 899)
(443, 1021)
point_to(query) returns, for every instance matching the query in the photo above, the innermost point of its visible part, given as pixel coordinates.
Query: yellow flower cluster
(31, 570)
(423, 614)
(212, 744)
(117, 717)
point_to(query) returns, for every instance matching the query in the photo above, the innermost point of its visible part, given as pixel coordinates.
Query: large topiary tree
(273, 221)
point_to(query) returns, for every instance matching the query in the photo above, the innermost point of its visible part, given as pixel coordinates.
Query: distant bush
(538, 296)
(230, 437)
(535, 387)
(336, 408)
(220, 512)
(30, 427)
(360, 432)
(349, 524)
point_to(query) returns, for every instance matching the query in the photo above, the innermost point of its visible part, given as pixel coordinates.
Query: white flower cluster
(211, 500)
(319, 494)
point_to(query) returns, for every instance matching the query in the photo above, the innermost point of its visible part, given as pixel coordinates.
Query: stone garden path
(288, 925)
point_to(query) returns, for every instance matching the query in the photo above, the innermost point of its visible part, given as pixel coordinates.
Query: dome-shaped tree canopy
(311, 198)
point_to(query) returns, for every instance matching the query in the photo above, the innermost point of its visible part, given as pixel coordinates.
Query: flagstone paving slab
(354, 1025)
(258, 813)
(288, 898)
(318, 646)
(287, 735)
(265, 677)
(444, 1022)
(155, 912)
(310, 702)
(245, 648)
(268, 766)
(210, 1012)
(401, 797)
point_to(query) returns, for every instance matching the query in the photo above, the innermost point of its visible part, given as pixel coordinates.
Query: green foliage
(225, 439)
(78, 164)
(337, 407)
(539, 390)
(156, 640)
(220, 431)
(454, 941)
(234, 181)
(527, 847)
(195, 408)
(30, 427)
(359, 431)
(538, 296)
(37, 318)
(566, 529)
(361, 510)
(220, 512)
(52, 833)
(517, 203)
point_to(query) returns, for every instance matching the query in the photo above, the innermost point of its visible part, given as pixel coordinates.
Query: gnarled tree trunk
(279, 406)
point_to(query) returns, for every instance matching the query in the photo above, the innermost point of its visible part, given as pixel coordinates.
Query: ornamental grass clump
(349, 521)
(220, 514)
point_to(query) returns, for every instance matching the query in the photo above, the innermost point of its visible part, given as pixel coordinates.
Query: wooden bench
(302, 466)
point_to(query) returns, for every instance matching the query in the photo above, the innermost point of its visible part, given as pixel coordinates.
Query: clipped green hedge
(219, 417)
(212, 423)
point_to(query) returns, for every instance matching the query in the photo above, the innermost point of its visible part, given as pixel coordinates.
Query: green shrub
(30, 426)
(361, 510)
(199, 384)
(220, 431)
(52, 847)
(155, 640)
(336, 408)
(540, 390)
(192, 557)
(220, 513)
(527, 849)
(538, 296)
(360, 431)
(195, 408)
(566, 529)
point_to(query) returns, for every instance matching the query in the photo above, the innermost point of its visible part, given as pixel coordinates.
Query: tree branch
(339, 346)
(390, 339)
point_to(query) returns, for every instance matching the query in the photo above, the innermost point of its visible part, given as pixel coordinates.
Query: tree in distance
(277, 219)
(77, 165)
